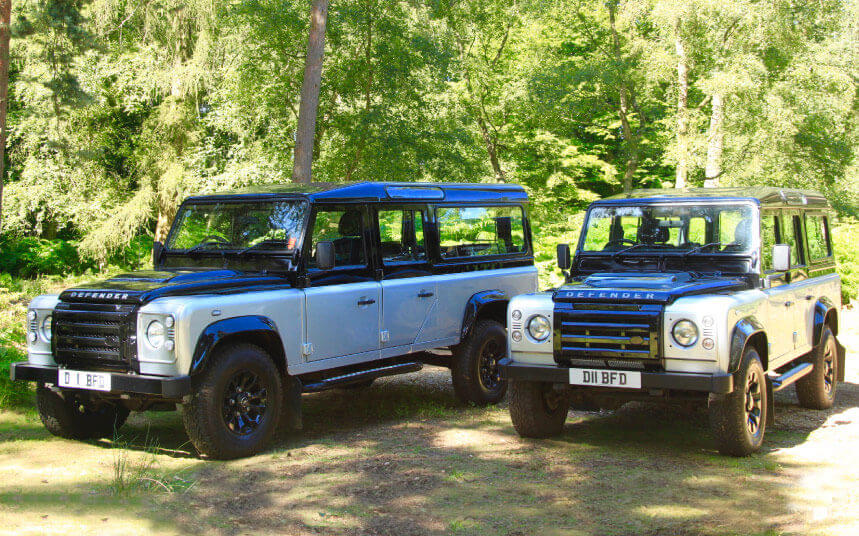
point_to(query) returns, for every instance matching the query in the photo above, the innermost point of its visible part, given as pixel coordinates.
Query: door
(343, 303)
(779, 317)
(409, 292)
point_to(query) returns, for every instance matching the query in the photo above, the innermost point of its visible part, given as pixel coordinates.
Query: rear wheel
(72, 416)
(476, 374)
(236, 405)
(537, 409)
(738, 420)
(817, 389)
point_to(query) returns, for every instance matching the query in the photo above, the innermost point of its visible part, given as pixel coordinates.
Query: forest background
(118, 109)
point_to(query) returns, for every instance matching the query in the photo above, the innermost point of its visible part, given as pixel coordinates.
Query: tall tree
(306, 132)
(5, 33)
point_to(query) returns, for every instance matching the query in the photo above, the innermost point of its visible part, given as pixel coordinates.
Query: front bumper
(709, 383)
(174, 387)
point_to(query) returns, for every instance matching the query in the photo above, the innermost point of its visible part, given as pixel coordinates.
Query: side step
(355, 377)
(789, 377)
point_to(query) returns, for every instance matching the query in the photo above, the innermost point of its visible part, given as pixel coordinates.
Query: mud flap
(291, 418)
(842, 360)
(770, 403)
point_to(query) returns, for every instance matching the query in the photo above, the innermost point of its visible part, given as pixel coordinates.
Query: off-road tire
(205, 414)
(817, 389)
(468, 384)
(736, 430)
(71, 417)
(536, 409)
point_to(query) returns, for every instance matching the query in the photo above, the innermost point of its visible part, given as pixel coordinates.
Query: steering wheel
(214, 238)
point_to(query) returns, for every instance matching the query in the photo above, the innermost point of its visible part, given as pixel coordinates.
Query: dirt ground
(403, 458)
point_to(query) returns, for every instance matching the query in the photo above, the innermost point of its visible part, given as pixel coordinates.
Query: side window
(344, 227)
(402, 234)
(817, 229)
(478, 231)
(768, 240)
(789, 235)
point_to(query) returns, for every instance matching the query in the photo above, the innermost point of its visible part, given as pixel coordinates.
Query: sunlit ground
(402, 457)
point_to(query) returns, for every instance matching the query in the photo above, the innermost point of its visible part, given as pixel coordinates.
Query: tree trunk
(491, 149)
(631, 138)
(715, 139)
(368, 98)
(5, 18)
(304, 137)
(682, 174)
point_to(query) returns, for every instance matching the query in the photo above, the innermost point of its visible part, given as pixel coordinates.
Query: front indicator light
(516, 336)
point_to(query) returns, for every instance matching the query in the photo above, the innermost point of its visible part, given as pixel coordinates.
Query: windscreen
(264, 225)
(683, 227)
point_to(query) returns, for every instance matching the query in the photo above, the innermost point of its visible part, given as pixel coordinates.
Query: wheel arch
(825, 314)
(254, 329)
(748, 331)
(485, 304)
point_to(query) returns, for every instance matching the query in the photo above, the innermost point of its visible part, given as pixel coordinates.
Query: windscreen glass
(688, 228)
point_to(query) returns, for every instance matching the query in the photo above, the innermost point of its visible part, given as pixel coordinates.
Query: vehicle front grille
(610, 333)
(95, 336)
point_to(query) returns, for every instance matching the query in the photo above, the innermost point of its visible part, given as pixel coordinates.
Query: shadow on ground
(402, 458)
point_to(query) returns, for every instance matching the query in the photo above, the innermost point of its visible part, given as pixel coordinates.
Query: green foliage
(845, 236)
(31, 257)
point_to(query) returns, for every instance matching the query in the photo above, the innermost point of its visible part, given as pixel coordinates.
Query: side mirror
(564, 261)
(781, 257)
(157, 250)
(325, 255)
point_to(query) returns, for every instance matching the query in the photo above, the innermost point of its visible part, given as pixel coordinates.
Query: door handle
(788, 304)
(365, 301)
(809, 297)
(425, 294)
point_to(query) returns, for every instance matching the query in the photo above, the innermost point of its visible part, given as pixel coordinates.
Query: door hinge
(307, 348)
(384, 335)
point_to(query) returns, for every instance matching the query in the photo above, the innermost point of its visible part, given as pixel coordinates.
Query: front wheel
(817, 389)
(537, 409)
(476, 374)
(74, 417)
(236, 405)
(738, 420)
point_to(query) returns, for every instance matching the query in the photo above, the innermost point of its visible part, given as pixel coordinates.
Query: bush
(32, 257)
(845, 236)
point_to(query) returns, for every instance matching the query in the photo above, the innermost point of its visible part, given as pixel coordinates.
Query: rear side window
(817, 230)
(402, 236)
(790, 235)
(480, 231)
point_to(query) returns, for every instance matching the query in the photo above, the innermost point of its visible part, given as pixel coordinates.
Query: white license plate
(605, 378)
(78, 379)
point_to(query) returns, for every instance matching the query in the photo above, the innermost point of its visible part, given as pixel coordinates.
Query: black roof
(765, 196)
(378, 191)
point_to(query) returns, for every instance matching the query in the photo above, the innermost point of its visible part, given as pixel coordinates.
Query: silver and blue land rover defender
(717, 295)
(259, 296)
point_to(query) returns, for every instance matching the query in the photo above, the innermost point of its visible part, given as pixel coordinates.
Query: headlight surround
(685, 333)
(46, 327)
(156, 334)
(539, 328)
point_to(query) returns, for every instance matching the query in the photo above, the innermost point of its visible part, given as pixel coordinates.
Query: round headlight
(155, 334)
(46, 327)
(685, 332)
(539, 328)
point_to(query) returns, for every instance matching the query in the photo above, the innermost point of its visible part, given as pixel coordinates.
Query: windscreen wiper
(203, 244)
(702, 247)
(636, 246)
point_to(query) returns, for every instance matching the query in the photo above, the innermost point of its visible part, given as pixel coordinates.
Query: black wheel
(236, 404)
(475, 371)
(738, 420)
(536, 409)
(817, 389)
(72, 416)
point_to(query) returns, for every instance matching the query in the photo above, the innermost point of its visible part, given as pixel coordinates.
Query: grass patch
(134, 472)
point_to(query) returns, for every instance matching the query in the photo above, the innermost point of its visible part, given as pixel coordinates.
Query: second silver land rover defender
(717, 295)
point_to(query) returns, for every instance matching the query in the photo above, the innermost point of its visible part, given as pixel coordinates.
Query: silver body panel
(789, 328)
(322, 327)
